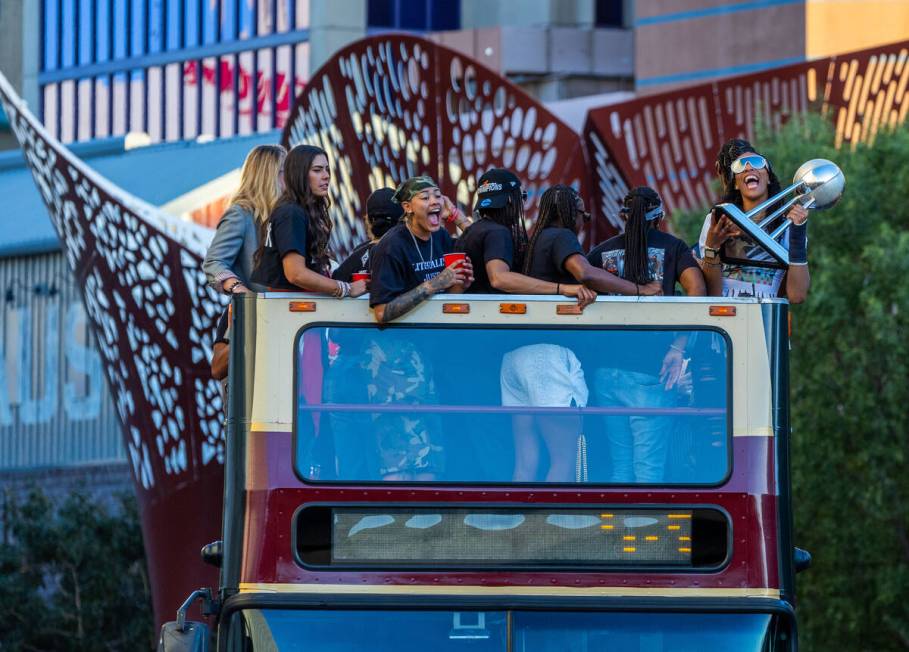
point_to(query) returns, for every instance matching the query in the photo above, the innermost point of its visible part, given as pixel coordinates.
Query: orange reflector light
(629, 537)
(629, 549)
(456, 308)
(302, 306)
(513, 308)
(684, 549)
(722, 311)
(568, 309)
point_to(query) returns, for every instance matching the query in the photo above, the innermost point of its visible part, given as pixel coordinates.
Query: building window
(609, 13)
(414, 15)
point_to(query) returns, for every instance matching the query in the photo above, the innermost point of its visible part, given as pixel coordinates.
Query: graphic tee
(553, 247)
(747, 280)
(401, 261)
(287, 231)
(356, 261)
(484, 241)
(667, 257)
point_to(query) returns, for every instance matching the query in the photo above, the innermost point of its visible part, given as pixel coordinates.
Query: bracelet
(343, 290)
(453, 216)
(230, 288)
(558, 288)
(637, 289)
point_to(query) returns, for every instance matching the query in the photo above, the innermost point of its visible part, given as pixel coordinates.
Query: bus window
(492, 405)
(536, 631)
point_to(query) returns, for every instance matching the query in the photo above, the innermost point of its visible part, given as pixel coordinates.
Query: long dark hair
(511, 216)
(559, 208)
(637, 203)
(731, 150)
(298, 191)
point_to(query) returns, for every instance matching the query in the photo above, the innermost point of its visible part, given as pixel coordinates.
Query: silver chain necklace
(420, 253)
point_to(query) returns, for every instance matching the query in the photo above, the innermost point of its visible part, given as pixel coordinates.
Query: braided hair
(730, 151)
(639, 205)
(511, 216)
(558, 208)
(298, 191)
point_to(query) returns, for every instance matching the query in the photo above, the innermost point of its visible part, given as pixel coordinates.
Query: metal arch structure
(152, 313)
(669, 140)
(389, 107)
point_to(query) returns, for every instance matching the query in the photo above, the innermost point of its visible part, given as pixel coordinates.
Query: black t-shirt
(287, 231)
(400, 262)
(484, 241)
(668, 258)
(553, 247)
(356, 261)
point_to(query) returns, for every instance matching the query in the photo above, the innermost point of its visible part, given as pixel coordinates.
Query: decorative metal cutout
(669, 140)
(389, 107)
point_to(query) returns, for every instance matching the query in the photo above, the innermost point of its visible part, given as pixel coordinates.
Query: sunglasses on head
(756, 161)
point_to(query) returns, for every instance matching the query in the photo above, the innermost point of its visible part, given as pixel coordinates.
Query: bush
(72, 576)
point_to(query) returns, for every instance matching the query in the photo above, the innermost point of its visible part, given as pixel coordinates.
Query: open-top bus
(633, 518)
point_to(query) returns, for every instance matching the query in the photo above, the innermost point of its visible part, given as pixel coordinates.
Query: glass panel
(394, 631)
(638, 632)
(497, 406)
(383, 631)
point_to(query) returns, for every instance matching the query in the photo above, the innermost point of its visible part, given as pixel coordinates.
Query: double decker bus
(396, 488)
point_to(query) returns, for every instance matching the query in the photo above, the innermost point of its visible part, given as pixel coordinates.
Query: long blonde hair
(259, 188)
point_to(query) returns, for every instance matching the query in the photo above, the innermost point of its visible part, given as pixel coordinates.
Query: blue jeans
(638, 444)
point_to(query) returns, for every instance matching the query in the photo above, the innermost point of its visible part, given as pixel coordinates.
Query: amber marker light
(568, 309)
(302, 306)
(513, 308)
(722, 311)
(455, 308)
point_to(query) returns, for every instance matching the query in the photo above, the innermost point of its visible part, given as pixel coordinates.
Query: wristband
(230, 288)
(798, 244)
(558, 288)
(453, 216)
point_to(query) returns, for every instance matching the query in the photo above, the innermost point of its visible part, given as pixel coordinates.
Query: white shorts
(543, 375)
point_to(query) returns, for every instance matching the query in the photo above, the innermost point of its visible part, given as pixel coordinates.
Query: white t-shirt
(747, 281)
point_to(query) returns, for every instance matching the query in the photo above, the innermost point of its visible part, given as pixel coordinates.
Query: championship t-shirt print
(401, 261)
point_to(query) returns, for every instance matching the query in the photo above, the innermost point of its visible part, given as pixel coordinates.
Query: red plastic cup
(360, 276)
(451, 259)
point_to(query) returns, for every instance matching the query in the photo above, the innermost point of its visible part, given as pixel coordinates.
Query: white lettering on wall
(30, 372)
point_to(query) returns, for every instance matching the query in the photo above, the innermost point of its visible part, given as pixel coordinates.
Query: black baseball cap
(494, 188)
(380, 205)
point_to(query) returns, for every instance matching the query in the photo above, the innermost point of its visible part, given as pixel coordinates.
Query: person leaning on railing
(408, 263)
(294, 252)
(497, 241)
(228, 263)
(748, 180)
(555, 254)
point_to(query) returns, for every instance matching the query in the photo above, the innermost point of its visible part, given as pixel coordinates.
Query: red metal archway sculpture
(389, 107)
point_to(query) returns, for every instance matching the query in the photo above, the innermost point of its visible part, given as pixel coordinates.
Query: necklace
(417, 247)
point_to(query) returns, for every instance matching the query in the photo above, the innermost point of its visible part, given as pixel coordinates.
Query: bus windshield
(494, 405)
(470, 631)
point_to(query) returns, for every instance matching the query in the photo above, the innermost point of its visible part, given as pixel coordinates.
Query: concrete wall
(846, 25)
(333, 24)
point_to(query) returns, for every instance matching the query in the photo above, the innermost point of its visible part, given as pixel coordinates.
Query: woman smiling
(408, 263)
(748, 180)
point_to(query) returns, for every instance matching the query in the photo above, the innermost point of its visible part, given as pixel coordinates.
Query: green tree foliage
(850, 392)
(72, 576)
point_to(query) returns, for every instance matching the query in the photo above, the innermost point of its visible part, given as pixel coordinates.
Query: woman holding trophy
(748, 180)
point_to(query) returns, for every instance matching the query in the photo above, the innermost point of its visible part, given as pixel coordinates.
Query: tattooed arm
(406, 302)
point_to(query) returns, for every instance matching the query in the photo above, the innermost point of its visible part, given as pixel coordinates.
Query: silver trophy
(818, 184)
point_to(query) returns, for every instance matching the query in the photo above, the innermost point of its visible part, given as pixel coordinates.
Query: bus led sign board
(466, 537)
